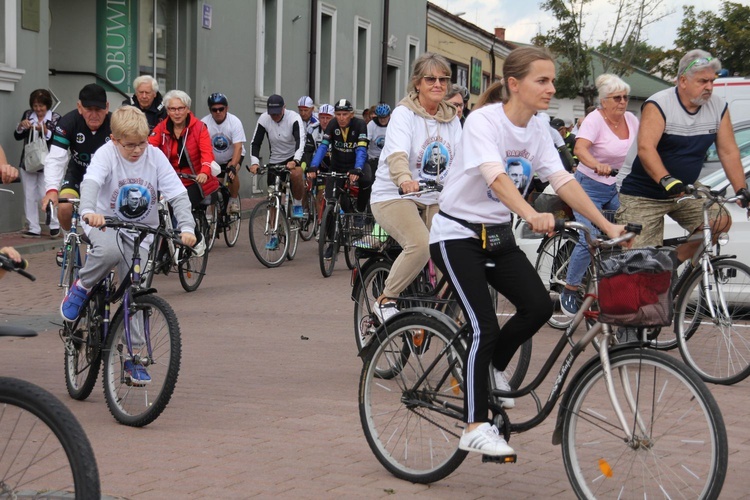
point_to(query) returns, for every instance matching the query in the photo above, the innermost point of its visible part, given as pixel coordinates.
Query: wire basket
(635, 287)
(362, 231)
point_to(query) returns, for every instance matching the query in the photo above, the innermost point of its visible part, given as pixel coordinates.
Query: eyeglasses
(129, 146)
(218, 110)
(619, 98)
(430, 80)
(177, 110)
(701, 61)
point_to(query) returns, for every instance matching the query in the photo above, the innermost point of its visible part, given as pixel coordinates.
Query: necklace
(615, 125)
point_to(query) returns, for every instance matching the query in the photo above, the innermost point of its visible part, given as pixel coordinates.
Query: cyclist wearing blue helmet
(376, 133)
(228, 140)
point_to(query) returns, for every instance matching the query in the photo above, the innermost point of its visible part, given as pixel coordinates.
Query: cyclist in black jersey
(346, 136)
(82, 132)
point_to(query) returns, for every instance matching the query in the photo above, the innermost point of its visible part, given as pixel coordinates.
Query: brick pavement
(259, 412)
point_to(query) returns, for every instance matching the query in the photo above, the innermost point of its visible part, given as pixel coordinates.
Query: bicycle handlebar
(115, 223)
(275, 167)
(632, 230)
(424, 187)
(9, 264)
(698, 192)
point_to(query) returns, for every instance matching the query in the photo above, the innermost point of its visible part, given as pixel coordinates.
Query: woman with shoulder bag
(38, 121)
(473, 229)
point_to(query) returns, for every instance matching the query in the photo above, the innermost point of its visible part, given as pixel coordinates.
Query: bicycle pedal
(502, 459)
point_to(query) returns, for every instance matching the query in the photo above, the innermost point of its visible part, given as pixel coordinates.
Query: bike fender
(144, 291)
(557, 433)
(382, 330)
(362, 270)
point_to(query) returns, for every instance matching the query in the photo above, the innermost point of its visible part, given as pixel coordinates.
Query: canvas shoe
(486, 440)
(136, 373)
(73, 302)
(298, 211)
(234, 206)
(501, 383)
(273, 243)
(569, 302)
(385, 310)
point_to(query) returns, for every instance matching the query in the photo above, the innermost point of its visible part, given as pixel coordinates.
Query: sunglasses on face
(430, 80)
(620, 98)
(218, 110)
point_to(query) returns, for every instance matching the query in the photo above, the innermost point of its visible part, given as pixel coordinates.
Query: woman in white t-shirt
(601, 146)
(420, 144)
(501, 132)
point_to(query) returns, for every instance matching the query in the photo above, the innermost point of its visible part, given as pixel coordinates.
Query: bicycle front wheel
(213, 214)
(232, 229)
(192, 267)
(45, 453)
(83, 354)
(713, 323)
(294, 229)
(269, 246)
(328, 243)
(131, 400)
(413, 429)
(679, 444)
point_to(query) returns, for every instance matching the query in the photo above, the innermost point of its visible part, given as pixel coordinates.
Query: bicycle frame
(72, 242)
(275, 200)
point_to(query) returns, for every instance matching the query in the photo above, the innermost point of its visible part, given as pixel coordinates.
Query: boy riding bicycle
(122, 181)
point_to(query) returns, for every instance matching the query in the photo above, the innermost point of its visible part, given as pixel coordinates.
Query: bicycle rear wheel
(83, 349)
(409, 438)
(232, 229)
(307, 224)
(679, 449)
(131, 402)
(45, 452)
(552, 267)
(269, 247)
(328, 244)
(192, 267)
(716, 346)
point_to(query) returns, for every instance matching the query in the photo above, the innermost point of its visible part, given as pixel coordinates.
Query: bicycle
(333, 231)
(274, 239)
(219, 220)
(45, 451)
(96, 338)
(70, 260)
(164, 256)
(632, 422)
(711, 297)
(309, 224)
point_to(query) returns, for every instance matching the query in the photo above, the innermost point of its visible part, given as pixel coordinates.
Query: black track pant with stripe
(464, 262)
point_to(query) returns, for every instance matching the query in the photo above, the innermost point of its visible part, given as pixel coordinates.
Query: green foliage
(726, 36)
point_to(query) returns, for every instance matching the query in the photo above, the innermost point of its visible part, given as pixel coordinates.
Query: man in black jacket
(148, 99)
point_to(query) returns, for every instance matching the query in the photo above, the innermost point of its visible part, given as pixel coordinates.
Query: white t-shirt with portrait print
(489, 136)
(429, 145)
(224, 136)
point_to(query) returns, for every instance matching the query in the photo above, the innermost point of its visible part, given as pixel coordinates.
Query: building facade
(247, 49)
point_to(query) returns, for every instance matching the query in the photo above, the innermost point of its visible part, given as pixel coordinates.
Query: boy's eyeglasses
(218, 110)
(430, 80)
(129, 146)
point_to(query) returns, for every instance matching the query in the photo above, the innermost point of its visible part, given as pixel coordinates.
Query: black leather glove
(673, 187)
(745, 197)
(355, 171)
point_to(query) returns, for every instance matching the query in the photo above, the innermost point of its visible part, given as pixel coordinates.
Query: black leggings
(464, 263)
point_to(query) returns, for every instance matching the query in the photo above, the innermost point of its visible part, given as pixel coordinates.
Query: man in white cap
(307, 111)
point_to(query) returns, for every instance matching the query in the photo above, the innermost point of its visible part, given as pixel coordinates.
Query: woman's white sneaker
(486, 440)
(501, 383)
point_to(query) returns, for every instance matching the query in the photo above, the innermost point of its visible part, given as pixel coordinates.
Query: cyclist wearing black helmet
(346, 136)
(228, 140)
(376, 133)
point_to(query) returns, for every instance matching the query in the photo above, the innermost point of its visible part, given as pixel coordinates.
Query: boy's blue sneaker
(298, 212)
(73, 302)
(569, 302)
(273, 243)
(137, 373)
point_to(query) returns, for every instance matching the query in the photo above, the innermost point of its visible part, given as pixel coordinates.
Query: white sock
(296, 203)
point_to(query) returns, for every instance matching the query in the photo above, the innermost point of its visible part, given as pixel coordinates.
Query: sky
(524, 19)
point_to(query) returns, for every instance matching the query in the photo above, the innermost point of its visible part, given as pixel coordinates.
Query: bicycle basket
(362, 231)
(635, 287)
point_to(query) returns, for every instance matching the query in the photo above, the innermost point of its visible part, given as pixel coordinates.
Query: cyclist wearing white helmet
(376, 133)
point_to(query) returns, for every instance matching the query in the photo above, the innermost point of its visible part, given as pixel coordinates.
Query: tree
(621, 47)
(726, 36)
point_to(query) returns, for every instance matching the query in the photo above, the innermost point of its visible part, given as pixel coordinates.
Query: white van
(736, 91)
